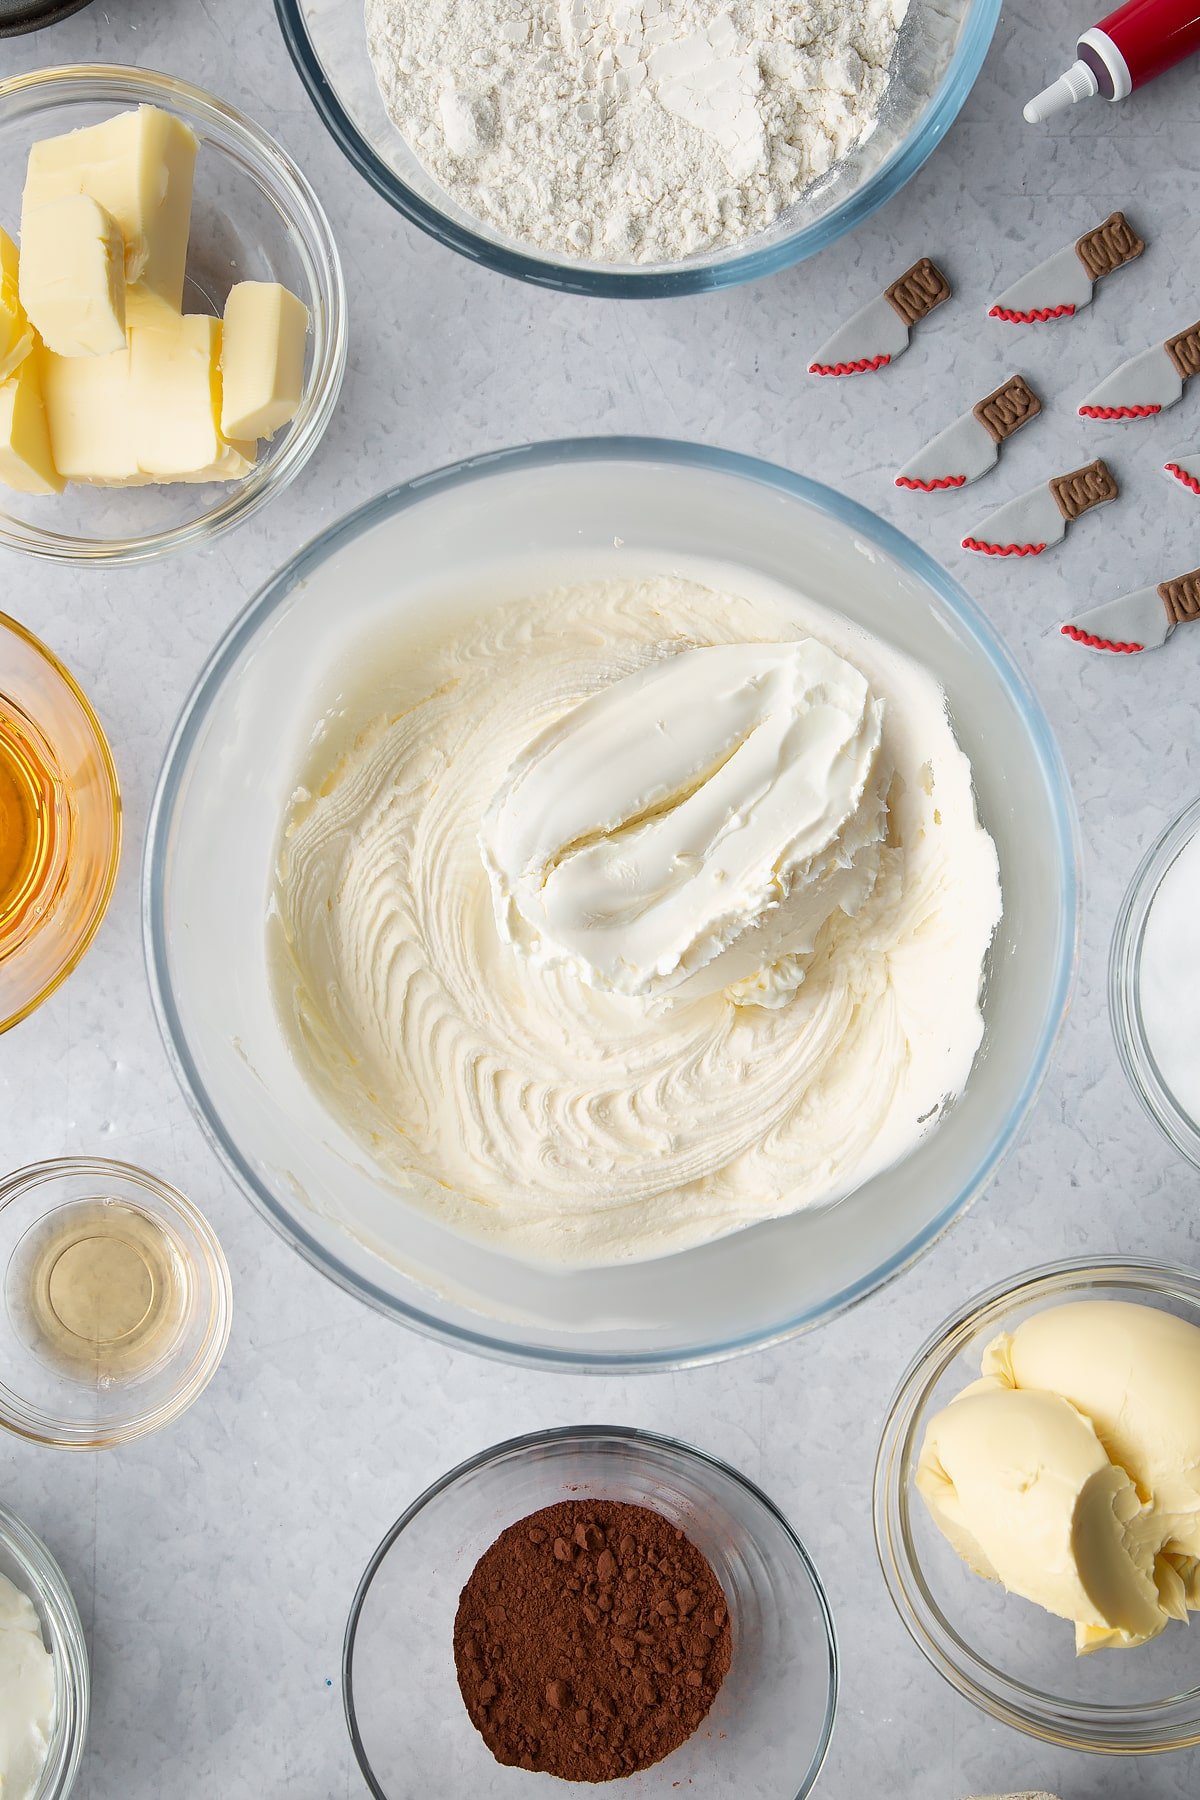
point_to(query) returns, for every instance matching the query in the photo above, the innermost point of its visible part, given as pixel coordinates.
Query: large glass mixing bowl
(939, 54)
(544, 514)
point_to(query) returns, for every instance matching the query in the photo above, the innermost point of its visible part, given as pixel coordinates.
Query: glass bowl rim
(73, 1680)
(1092, 1726)
(288, 188)
(586, 1435)
(625, 282)
(58, 1434)
(109, 768)
(1124, 986)
(276, 592)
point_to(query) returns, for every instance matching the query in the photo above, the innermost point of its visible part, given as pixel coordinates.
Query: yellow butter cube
(175, 395)
(72, 281)
(262, 359)
(234, 462)
(16, 336)
(26, 462)
(139, 167)
(92, 424)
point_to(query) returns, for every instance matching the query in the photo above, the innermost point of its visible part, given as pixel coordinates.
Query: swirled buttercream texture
(628, 914)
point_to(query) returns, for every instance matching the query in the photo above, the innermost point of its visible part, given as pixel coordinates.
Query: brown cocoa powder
(590, 1640)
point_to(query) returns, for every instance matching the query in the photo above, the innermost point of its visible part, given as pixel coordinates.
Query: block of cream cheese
(16, 337)
(26, 460)
(139, 166)
(262, 359)
(175, 395)
(1022, 1487)
(72, 280)
(708, 812)
(90, 417)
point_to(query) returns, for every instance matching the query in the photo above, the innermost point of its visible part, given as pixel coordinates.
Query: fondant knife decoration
(1065, 282)
(1183, 466)
(879, 332)
(970, 447)
(1141, 621)
(1032, 522)
(1149, 382)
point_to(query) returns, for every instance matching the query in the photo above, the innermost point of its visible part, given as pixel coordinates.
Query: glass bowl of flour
(615, 149)
(504, 1154)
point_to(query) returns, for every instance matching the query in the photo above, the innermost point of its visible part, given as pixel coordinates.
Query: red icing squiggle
(1037, 316)
(929, 487)
(1189, 481)
(1099, 643)
(861, 367)
(972, 543)
(1118, 412)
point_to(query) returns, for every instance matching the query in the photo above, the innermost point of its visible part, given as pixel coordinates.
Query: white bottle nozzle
(1079, 83)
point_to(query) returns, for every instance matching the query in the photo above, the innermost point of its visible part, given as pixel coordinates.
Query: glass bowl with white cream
(1154, 984)
(572, 902)
(45, 1679)
(1037, 1511)
(254, 217)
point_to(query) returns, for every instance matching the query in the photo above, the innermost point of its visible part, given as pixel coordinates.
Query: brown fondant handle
(1184, 351)
(1110, 246)
(1084, 488)
(915, 293)
(1007, 408)
(1181, 597)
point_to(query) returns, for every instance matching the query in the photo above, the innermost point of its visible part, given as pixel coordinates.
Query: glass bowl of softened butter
(126, 429)
(1069, 1473)
(53, 1724)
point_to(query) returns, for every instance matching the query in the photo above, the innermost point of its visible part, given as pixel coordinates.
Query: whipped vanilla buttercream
(27, 1695)
(581, 1089)
(1070, 1472)
(706, 813)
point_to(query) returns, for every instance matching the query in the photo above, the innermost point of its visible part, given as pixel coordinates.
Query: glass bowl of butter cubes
(172, 316)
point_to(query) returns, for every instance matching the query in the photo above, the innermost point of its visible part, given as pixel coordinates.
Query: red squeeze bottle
(1122, 52)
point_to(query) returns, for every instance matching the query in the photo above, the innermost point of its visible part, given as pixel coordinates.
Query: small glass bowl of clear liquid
(117, 1303)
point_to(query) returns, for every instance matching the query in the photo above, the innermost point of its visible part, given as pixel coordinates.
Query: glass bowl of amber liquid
(60, 822)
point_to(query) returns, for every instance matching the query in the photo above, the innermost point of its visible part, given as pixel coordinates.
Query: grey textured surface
(214, 1565)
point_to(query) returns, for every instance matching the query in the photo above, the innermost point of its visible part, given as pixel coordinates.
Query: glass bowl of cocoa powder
(741, 1588)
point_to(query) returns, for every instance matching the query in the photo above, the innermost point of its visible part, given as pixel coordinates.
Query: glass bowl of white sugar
(1154, 983)
(638, 151)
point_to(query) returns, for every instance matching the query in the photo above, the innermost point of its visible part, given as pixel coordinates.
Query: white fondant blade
(962, 452)
(1057, 288)
(1183, 466)
(1133, 622)
(1144, 385)
(874, 337)
(1022, 527)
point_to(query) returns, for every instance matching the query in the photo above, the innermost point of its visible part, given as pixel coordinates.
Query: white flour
(631, 130)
